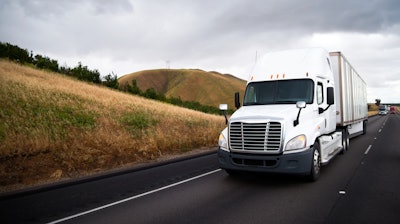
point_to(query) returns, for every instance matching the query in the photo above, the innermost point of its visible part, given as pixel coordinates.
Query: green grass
(32, 113)
(138, 122)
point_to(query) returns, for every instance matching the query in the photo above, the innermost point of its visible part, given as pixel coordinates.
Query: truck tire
(345, 140)
(364, 127)
(315, 163)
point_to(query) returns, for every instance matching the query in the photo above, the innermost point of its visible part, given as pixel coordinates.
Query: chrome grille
(255, 136)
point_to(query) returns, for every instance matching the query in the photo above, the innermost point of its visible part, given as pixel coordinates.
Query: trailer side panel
(350, 92)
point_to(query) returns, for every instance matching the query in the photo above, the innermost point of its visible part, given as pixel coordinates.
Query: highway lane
(53, 202)
(353, 188)
(374, 192)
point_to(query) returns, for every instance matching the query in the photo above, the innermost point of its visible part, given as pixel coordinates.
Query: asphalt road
(361, 186)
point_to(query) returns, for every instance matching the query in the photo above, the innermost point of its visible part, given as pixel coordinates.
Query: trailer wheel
(316, 163)
(345, 140)
(364, 127)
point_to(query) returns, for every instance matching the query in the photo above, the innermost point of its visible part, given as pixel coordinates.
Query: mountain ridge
(208, 88)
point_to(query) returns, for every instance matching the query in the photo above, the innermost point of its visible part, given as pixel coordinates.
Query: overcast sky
(124, 36)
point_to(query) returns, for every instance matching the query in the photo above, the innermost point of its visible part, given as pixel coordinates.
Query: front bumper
(294, 163)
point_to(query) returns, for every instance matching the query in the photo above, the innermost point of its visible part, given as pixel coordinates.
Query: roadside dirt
(36, 172)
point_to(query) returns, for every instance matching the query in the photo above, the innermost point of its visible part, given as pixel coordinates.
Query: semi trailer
(299, 110)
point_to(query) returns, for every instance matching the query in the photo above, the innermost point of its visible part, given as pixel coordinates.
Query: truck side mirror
(330, 96)
(224, 108)
(300, 105)
(237, 100)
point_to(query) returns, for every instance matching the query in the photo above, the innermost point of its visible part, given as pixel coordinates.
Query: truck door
(326, 112)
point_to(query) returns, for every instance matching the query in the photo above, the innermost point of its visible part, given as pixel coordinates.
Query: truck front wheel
(316, 163)
(345, 140)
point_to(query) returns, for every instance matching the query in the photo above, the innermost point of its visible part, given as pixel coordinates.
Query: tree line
(151, 93)
(83, 73)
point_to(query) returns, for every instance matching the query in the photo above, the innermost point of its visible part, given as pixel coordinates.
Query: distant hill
(208, 88)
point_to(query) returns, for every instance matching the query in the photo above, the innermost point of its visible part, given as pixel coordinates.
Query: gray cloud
(309, 16)
(124, 36)
(50, 8)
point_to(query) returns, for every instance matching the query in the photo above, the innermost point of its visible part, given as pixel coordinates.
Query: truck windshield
(279, 92)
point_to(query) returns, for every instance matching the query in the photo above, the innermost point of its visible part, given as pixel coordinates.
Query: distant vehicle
(300, 109)
(392, 109)
(383, 110)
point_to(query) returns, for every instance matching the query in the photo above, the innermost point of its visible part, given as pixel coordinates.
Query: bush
(151, 93)
(111, 81)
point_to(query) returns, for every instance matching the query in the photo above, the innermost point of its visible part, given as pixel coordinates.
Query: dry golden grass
(372, 109)
(53, 127)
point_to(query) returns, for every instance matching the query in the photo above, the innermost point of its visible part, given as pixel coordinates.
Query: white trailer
(351, 93)
(299, 110)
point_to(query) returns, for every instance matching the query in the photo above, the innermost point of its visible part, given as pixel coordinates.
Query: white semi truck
(299, 110)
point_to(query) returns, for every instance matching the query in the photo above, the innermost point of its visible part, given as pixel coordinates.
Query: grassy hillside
(54, 127)
(207, 88)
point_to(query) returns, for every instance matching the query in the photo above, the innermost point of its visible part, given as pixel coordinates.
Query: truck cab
(287, 122)
(383, 110)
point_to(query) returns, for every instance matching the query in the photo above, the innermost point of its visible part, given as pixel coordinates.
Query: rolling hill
(54, 127)
(207, 88)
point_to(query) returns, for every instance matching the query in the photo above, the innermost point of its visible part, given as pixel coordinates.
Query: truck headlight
(298, 142)
(222, 141)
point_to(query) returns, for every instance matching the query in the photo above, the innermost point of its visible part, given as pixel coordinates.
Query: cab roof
(292, 64)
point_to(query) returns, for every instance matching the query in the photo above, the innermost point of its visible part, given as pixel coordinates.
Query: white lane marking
(380, 130)
(132, 198)
(366, 151)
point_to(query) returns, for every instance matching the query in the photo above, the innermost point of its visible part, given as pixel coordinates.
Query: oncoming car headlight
(298, 142)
